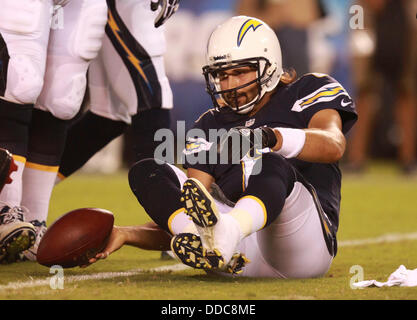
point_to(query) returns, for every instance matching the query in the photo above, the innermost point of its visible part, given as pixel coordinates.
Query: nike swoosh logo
(344, 104)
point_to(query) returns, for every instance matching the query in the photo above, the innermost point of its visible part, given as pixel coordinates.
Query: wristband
(293, 141)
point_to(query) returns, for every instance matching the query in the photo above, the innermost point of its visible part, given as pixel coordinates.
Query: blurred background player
(127, 86)
(43, 79)
(385, 79)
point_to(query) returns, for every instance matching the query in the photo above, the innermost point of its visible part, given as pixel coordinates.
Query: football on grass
(75, 237)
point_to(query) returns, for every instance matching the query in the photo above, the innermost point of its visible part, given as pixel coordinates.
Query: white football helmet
(243, 41)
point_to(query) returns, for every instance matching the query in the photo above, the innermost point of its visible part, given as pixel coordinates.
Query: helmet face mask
(230, 96)
(242, 42)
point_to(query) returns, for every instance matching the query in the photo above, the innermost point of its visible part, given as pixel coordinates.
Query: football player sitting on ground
(281, 211)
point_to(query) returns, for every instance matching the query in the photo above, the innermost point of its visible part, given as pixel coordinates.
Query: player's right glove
(241, 141)
(169, 7)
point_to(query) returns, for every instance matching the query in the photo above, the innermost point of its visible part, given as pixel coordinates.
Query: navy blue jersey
(290, 106)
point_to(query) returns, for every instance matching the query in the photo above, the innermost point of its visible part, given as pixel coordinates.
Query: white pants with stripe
(112, 92)
(292, 246)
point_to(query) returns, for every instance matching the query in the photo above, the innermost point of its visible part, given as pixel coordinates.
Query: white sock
(38, 182)
(179, 222)
(59, 178)
(12, 193)
(250, 213)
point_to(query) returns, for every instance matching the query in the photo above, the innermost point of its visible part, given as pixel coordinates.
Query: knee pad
(63, 95)
(24, 27)
(24, 80)
(147, 171)
(29, 18)
(275, 166)
(90, 29)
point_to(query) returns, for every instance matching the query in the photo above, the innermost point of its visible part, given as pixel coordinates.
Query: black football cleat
(188, 249)
(218, 234)
(16, 235)
(199, 204)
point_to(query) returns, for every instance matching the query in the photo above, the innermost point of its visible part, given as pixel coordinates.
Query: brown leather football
(75, 237)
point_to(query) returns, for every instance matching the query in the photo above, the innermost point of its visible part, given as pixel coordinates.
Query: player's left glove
(239, 141)
(169, 7)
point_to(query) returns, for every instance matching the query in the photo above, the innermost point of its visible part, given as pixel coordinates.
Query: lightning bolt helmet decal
(247, 25)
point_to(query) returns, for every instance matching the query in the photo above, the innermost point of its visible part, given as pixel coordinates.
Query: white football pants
(293, 246)
(50, 49)
(113, 94)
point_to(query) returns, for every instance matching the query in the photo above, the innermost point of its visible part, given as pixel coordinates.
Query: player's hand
(239, 141)
(169, 7)
(116, 241)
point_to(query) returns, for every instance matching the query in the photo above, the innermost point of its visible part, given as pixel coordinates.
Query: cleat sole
(198, 204)
(188, 249)
(20, 240)
(200, 207)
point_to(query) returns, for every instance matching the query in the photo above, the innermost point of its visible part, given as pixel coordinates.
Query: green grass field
(379, 203)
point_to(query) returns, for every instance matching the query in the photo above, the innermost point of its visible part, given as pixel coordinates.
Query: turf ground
(379, 209)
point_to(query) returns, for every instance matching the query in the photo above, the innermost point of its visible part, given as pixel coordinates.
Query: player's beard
(236, 99)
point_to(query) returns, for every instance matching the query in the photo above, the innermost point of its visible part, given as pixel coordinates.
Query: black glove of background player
(239, 141)
(169, 7)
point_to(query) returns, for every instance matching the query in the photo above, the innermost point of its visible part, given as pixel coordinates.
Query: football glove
(169, 7)
(241, 141)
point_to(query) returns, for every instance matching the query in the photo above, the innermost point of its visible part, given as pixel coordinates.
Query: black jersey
(290, 106)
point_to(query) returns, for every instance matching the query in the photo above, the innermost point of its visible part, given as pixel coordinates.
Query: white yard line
(387, 238)
(94, 276)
